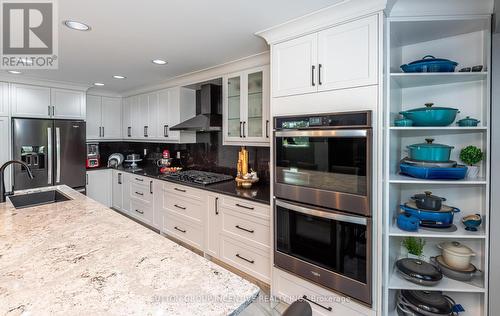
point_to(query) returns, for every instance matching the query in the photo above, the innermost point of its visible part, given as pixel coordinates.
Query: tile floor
(264, 306)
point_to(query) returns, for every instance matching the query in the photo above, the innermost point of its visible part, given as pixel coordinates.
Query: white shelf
(460, 233)
(396, 282)
(420, 79)
(399, 178)
(440, 129)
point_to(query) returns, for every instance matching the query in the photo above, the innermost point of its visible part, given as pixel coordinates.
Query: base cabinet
(5, 152)
(117, 190)
(98, 186)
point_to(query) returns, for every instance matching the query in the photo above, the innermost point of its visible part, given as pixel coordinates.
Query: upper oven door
(328, 168)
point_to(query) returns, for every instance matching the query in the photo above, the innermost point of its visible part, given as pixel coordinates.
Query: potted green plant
(471, 156)
(415, 247)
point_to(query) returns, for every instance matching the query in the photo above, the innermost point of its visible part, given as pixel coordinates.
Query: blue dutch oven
(430, 151)
(430, 63)
(432, 218)
(431, 116)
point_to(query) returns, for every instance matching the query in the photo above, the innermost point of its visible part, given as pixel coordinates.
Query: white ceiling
(190, 34)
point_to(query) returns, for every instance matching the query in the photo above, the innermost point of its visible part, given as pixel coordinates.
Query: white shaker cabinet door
(99, 186)
(30, 101)
(294, 66)
(348, 55)
(117, 190)
(5, 149)
(135, 118)
(68, 104)
(126, 119)
(111, 118)
(4, 99)
(93, 117)
(164, 104)
(153, 130)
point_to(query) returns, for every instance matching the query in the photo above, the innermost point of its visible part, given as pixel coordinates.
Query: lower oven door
(332, 249)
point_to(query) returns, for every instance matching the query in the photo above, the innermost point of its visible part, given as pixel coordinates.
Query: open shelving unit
(465, 39)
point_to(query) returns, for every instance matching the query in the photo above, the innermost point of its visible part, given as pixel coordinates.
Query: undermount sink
(38, 198)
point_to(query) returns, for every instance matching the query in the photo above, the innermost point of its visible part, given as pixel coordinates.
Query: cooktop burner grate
(199, 177)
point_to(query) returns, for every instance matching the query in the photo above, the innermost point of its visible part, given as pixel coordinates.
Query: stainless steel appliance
(53, 149)
(325, 160)
(322, 206)
(93, 157)
(195, 176)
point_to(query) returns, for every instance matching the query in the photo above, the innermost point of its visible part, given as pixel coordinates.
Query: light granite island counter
(79, 257)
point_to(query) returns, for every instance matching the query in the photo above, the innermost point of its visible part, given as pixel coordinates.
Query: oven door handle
(324, 133)
(324, 214)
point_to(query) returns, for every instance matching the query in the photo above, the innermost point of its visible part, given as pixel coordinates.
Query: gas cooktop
(195, 176)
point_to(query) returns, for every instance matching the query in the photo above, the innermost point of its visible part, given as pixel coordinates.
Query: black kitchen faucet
(3, 194)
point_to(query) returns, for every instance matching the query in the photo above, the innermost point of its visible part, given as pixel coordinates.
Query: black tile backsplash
(207, 154)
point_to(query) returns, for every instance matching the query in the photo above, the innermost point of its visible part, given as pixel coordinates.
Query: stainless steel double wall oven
(322, 209)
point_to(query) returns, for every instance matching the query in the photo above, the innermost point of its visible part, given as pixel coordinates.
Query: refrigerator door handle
(58, 155)
(49, 155)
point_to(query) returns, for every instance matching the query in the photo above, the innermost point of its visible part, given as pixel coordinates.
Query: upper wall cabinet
(43, 102)
(4, 99)
(104, 118)
(344, 56)
(246, 108)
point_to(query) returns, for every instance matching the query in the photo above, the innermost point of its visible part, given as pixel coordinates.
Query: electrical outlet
(178, 155)
(145, 152)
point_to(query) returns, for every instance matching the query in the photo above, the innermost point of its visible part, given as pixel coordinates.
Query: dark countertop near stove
(260, 192)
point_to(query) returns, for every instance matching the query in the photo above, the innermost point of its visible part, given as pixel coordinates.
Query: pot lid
(468, 118)
(430, 58)
(429, 143)
(430, 107)
(430, 301)
(419, 269)
(456, 248)
(428, 195)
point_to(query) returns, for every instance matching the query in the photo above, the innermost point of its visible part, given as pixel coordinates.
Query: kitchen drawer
(183, 230)
(141, 210)
(185, 208)
(289, 288)
(246, 258)
(255, 209)
(139, 179)
(184, 191)
(141, 191)
(249, 229)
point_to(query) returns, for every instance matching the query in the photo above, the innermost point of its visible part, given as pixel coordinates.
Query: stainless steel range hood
(209, 117)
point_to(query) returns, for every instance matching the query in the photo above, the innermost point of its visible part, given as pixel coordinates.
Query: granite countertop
(260, 192)
(79, 257)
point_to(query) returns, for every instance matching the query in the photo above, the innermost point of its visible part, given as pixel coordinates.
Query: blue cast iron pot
(430, 63)
(468, 121)
(429, 151)
(438, 217)
(431, 116)
(403, 122)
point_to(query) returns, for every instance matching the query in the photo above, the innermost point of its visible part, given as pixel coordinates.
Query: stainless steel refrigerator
(54, 150)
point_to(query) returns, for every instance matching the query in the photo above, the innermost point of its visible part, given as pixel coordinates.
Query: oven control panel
(334, 120)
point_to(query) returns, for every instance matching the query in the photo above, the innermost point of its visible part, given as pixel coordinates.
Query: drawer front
(182, 207)
(249, 228)
(141, 210)
(139, 179)
(141, 191)
(323, 303)
(183, 230)
(255, 209)
(246, 258)
(184, 191)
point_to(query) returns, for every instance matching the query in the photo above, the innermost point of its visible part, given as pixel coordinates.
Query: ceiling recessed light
(159, 61)
(14, 72)
(119, 77)
(75, 25)
(98, 84)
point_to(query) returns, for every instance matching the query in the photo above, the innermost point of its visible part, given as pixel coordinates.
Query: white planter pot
(472, 172)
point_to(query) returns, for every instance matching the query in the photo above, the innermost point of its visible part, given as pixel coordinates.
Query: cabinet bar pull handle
(243, 206)
(129, 131)
(267, 128)
(139, 193)
(87, 179)
(145, 131)
(243, 258)
(103, 131)
(180, 190)
(140, 212)
(216, 206)
(319, 74)
(151, 187)
(119, 178)
(181, 230)
(139, 179)
(241, 135)
(307, 299)
(312, 75)
(244, 229)
(244, 130)
(49, 109)
(181, 207)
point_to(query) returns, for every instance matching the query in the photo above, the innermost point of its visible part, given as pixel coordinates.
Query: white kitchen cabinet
(30, 101)
(68, 104)
(246, 108)
(98, 186)
(343, 56)
(111, 109)
(104, 118)
(143, 118)
(4, 99)
(213, 227)
(126, 119)
(117, 190)
(5, 152)
(294, 66)
(136, 126)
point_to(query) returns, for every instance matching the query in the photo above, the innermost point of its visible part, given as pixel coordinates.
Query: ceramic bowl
(472, 222)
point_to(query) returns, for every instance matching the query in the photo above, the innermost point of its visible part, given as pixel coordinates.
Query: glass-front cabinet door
(246, 108)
